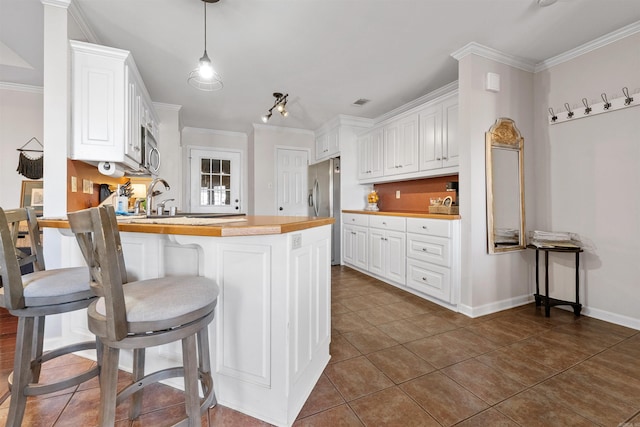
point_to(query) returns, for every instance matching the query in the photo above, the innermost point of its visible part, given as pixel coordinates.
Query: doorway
(215, 181)
(291, 191)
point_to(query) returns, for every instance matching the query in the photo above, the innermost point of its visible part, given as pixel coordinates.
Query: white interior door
(292, 182)
(215, 181)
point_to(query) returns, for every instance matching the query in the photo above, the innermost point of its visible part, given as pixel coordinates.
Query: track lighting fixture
(204, 77)
(280, 104)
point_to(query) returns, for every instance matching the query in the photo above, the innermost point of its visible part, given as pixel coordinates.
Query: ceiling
(325, 54)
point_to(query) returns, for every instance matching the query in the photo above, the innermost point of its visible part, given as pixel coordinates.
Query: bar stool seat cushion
(57, 286)
(163, 303)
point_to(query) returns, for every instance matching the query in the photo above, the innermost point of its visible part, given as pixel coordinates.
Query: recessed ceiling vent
(360, 102)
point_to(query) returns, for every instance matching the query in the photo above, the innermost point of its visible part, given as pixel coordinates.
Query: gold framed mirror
(505, 187)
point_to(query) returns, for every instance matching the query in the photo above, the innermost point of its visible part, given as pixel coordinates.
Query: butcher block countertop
(225, 227)
(404, 214)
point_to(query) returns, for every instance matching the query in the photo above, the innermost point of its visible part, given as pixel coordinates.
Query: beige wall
(20, 120)
(266, 140)
(587, 176)
(490, 282)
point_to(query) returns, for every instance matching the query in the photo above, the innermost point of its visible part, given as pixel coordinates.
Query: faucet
(160, 210)
(151, 193)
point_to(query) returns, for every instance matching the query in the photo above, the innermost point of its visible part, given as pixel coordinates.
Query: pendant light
(204, 77)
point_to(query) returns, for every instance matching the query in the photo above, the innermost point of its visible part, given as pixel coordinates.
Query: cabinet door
(391, 141)
(431, 138)
(360, 253)
(364, 156)
(450, 154)
(407, 154)
(333, 142)
(322, 146)
(98, 97)
(370, 154)
(395, 256)
(377, 248)
(348, 245)
(132, 146)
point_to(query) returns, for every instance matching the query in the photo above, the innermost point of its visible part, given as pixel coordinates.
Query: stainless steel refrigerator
(324, 198)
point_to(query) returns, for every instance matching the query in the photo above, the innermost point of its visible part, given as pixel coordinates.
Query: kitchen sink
(194, 215)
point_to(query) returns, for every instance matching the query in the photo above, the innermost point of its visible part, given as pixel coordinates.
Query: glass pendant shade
(205, 77)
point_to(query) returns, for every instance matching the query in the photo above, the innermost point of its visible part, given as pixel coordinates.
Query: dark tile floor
(398, 360)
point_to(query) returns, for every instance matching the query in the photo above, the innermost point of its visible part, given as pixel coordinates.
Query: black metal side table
(546, 299)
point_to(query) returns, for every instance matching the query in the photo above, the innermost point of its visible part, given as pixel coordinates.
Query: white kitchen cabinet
(420, 255)
(387, 248)
(355, 238)
(433, 258)
(370, 154)
(401, 146)
(438, 135)
(328, 144)
(109, 105)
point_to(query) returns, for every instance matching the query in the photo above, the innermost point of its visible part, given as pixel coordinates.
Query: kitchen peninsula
(272, 328)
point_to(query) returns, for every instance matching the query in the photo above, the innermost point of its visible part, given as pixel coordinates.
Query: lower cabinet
(420, 255)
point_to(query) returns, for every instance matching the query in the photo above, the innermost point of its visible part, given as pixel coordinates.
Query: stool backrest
(12, 257)
(96, 230)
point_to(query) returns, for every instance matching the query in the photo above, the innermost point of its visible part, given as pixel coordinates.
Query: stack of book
(552, 239)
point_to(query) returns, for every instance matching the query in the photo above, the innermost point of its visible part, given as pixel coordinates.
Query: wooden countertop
(250, 226)
(404, 214)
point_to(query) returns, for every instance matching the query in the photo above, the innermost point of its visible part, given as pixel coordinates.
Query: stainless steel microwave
(150, 155)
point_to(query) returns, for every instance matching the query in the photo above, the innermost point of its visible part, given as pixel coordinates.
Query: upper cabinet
(419, 143)
(438, 135)
(370, 154)
(109, 106)
(401, 146)
(328, 144)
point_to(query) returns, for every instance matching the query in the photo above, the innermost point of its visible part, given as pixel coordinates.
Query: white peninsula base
(272, 328)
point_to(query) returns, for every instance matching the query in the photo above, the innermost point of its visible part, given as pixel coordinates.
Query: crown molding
(590, 46)
(172, 107)
(344, 120)
(282, 129)
(21, 88)
(78, 16)
(57, 3)
(204, 131)
(494, 55)
(446, 90)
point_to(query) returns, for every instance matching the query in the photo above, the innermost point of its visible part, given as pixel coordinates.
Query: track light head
(280, 104)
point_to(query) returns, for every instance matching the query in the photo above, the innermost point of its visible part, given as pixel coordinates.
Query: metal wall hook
(627, 99)
(587, 109)
(568, 107)
(607, 104)
(553, 116)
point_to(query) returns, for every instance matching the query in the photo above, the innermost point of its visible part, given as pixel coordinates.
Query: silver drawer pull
(424, 227)
(424, 249)
(424, 279)
(384, 223)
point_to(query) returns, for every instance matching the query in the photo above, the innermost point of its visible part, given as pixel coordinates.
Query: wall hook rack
(607, 105)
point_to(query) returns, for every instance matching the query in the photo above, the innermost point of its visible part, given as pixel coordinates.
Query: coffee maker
(453, 186)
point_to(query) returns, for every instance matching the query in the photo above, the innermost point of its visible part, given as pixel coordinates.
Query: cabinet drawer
(387, 222)
(355, 219)
(433, 227)
(433, 249)
(429, 279)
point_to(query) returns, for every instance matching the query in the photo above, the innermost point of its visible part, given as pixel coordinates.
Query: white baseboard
(494, 307)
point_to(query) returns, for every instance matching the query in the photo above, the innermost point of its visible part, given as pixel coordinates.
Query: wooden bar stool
(31, 298)
(144, 314)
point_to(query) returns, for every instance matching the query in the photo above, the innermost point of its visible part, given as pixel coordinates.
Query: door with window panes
(215, 181)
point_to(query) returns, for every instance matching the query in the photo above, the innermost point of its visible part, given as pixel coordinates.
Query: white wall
(490, 282)
(20, 120)
(588, 173)
(171, 166)
(209, 138)
(266, 139)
